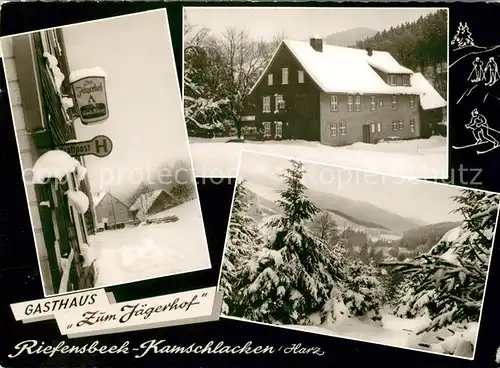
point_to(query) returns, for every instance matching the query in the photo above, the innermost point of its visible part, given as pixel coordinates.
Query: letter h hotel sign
(89, 88)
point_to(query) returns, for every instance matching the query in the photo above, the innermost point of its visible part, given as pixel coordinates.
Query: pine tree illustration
(463, 36)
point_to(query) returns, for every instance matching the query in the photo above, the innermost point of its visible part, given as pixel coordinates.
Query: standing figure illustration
(479, 126)
(491, 73)
(477, 70)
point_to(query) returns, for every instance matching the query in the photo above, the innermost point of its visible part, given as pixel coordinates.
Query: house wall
(114, 210)
(163, 202)
(356, 119)
(301, 115)
(28, 154)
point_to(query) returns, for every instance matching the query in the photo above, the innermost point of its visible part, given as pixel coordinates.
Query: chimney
(316, 43)
(369, 51)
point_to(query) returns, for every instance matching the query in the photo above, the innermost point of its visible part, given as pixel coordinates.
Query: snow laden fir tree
(291, 276)
(243, 238)
(294, 276)
(449, 281)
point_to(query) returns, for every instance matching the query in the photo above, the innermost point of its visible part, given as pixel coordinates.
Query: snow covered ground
(420, 158)
(144, 252)
(397, 332)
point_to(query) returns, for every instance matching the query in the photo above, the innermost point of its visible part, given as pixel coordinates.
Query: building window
(349, 103)
(394, 125)
(267, 129)
(358, 103)
(373, 103)
(379, 127)
(392, 79)
(334, 103)
(406, 80)
(373, 127)
(266, 104)
(401, 125)
(412, 102)
(381, 103)
(301, 76)
(269, 79)
(333, 129)
(343, 128)
(412, 125)
(284, 76)
(394, 102)
(278, 129)
(279, 102)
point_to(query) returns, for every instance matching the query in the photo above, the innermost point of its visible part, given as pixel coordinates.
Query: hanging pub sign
(99, 146)
(89, 88)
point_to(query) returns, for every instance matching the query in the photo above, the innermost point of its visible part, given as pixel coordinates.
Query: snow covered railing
(66, 269)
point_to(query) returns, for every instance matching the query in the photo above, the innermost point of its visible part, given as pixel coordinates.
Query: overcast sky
(299, 23)
(425, 201)
(145, 110)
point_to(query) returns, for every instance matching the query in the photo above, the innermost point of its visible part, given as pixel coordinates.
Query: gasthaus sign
(91, 98)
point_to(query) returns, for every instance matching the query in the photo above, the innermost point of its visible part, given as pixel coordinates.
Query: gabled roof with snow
(347, 70)
(97, 198)
(429, 97)
(146, 200)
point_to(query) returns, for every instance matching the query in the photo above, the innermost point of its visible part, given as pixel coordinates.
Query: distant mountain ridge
(349, 37)
(353, 213)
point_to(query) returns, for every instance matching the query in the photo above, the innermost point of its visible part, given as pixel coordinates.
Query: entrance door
(366, 133)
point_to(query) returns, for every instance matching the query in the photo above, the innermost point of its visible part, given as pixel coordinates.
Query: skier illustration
(477, 70)
(491, 72)
(481, 132)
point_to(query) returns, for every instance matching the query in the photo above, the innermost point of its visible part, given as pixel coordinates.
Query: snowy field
(420, 158)
(144, 252)
(399, 332)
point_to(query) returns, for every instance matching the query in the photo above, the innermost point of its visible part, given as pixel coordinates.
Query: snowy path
(416, 158)
(392, 331)
(394, 335)
(150, 251)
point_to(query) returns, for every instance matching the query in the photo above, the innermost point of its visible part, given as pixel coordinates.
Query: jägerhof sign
(91, 98)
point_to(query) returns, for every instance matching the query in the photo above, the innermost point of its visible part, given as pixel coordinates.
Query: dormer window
(269, 79)
(406, 80)
(392, 80)
(284, 76)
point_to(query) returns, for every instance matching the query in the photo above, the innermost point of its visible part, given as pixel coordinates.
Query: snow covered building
(110, 211)
(35, 65)
(335, 95)
(150, 203)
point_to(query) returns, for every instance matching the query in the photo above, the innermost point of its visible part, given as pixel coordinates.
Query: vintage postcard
(353, 254)
(320, 84)
(104, 151)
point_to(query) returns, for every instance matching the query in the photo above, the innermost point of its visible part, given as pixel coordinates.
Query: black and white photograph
(353, 254)
(365, 88)
(105, 153)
